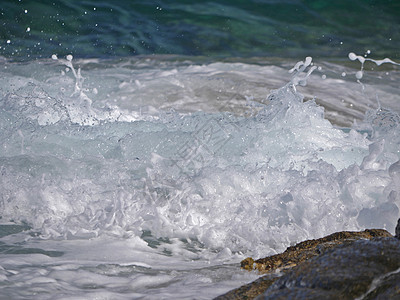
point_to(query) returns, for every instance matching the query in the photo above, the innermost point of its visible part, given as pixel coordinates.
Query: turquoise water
(210, 28)
(146, 149)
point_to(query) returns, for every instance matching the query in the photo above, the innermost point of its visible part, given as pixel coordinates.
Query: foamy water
(153, 177)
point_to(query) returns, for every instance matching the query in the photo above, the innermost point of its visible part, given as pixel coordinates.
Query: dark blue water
(152, 171)
(293, 28)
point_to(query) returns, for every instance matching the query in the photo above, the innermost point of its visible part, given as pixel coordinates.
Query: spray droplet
(54, 57)
(344, 74)
(352, 56)
(359, 74)
(323, 76)
(69, 57)
(308, 61)
(8, 41)
(28, 29)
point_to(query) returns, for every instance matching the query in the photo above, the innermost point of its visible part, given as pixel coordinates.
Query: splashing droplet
(352, 56)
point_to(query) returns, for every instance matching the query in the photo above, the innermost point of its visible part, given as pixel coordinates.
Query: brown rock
(251, 290)
(364, 268)
(308, 249)
(294, 257)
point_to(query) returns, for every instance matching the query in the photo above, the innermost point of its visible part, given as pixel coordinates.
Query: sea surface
(146, 148)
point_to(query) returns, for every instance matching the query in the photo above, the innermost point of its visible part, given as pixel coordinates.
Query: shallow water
(153, 176)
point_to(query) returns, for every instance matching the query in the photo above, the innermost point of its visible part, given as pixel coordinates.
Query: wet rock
(308, 249)
(397, 231)
(251, 290)
(385, 287)
(345, 272)
(340, 265)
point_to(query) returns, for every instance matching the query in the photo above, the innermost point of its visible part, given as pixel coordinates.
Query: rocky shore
(343, 265)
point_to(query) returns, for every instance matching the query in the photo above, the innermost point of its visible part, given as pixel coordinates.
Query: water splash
(299, 77)
(186, 193)
(359, 75)
(204, 177)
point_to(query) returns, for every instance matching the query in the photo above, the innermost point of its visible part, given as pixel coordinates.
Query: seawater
(147, 148)
(234, 28)
(152, 177)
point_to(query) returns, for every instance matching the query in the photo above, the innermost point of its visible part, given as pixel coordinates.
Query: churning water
(154, 178)
(151, 177)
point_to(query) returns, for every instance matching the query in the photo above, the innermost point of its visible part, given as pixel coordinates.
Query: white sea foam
(126, 198)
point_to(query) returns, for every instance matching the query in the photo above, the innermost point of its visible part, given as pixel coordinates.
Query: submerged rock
(343, 265)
